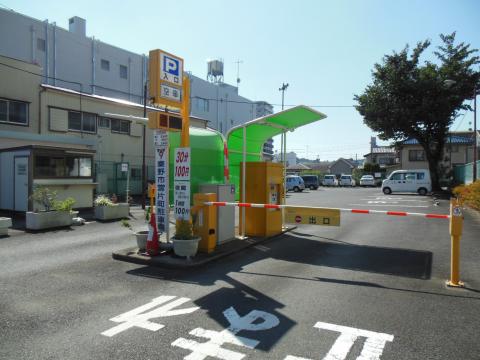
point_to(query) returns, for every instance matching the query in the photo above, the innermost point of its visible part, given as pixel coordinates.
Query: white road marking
(372, 348)
(213, 347)
(381, 202)
(139, 318)
(262, 248)
(412, 206)
(395, 199)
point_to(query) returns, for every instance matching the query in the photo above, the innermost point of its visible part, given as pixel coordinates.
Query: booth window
(13, 112)
(82, 121)
(62, 166)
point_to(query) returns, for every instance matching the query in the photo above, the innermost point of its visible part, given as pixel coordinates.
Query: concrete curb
(171, 261)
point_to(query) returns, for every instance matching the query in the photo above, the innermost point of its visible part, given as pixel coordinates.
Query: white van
(417, 180)
(295, 183)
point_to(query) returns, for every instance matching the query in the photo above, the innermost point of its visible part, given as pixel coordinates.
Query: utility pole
(238, 62)
(475, 148)
(144, 175)
(282, 89)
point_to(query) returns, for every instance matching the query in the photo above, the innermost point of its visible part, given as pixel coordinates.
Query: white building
(71, 59)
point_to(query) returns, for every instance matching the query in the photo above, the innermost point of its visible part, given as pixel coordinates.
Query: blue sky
(325, 50)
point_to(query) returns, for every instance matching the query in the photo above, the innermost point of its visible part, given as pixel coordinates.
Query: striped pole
(226, 170)
(353, 211)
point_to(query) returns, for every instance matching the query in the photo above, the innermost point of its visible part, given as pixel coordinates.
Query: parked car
(346, 180)
(417, 180)
(367, 180)
(294, 183)
(330, 180)
(311, 181)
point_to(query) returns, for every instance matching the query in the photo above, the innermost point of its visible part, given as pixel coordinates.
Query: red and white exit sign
(182, 164)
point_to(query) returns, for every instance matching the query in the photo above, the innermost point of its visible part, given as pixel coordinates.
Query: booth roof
(258, 131)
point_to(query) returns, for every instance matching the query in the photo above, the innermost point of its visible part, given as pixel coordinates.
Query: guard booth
(263, 185)
(256, 181)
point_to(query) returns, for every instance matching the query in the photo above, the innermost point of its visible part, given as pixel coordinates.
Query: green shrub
(45, 197)
(64, 205)
(183, 230)
(103, 200)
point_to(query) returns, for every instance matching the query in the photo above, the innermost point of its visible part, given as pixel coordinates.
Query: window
(398, 176)
(410, 176)
(135, 173)
(420, 176)
(123, 72)
(120, 126)
(82, 121)
(105, 64)
(202, 104)
(416, 155)
(41, 44)
(54, 166)
(14, 112)
(451, 148)
(89, 122)
(103, 122)
(3, 110)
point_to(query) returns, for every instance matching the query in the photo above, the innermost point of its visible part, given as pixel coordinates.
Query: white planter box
(48, 219)
(186, 248)
(118, 211)
(5, 223)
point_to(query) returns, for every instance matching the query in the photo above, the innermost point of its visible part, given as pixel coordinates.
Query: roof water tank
(215, 67)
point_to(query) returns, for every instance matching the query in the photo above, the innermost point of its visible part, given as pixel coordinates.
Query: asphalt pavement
(372, 288)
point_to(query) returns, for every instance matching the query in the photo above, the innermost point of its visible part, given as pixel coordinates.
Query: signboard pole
(182, 183)
(185, 112)
(161, 180)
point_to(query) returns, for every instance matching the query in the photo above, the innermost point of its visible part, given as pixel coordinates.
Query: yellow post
(151, 195)
(456, 227)
(185, 111)
(205, 225)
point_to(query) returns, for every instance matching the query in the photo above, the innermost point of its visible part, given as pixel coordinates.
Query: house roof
(343, 160)
(298, 167)
(451, 139)
(381, 150)
(114, 100)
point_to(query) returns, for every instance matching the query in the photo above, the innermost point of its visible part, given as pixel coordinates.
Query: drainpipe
(129, 79)
(47, 70)
(93, 65)
(42, 90)
(34, 35)
(55, 54)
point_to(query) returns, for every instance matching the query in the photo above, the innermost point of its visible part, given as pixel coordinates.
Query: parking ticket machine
(264, 185)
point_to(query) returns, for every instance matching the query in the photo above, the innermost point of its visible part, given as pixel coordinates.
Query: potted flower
(185, 243)
(140, 235)
(106, 209)
(50, 212)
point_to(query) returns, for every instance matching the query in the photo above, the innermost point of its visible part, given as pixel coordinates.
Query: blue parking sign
(171, 69)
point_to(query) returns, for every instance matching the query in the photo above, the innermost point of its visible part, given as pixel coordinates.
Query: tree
(408, 99)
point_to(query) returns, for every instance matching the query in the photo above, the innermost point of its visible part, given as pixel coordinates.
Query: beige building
(75, 140)
(458, 151)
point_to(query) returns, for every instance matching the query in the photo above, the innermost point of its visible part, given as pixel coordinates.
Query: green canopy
(258, 131)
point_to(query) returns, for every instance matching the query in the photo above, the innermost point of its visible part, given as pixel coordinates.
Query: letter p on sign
(170, 65)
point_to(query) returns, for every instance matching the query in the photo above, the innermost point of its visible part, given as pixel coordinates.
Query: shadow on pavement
(368, 284)
(244, 299)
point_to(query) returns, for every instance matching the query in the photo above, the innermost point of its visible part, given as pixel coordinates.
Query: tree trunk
(434, 159)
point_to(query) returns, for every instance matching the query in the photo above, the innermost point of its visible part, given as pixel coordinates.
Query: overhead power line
(193, 97)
